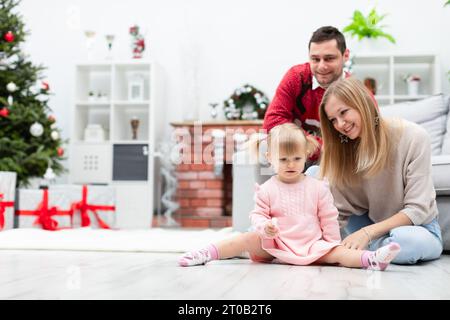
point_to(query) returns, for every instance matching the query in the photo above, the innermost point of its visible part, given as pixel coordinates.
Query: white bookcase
(118, 160)
(389, 70)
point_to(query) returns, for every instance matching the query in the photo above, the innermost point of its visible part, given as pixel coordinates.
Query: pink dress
(307, 219)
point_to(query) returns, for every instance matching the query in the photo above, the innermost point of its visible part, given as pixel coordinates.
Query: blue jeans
(418, 243)
(313, 171)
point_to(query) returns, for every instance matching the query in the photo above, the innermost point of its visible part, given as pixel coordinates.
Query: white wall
(207, 48)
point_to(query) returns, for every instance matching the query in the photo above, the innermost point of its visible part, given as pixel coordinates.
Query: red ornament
(4, 112)
(51, 118)
(60, 152)
(45, 86)
(9, 36)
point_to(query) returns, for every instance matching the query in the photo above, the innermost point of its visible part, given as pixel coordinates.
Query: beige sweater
(404, 186)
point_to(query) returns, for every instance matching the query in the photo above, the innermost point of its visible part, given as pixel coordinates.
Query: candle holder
(109, 41)
(90, 39)
(134, 127)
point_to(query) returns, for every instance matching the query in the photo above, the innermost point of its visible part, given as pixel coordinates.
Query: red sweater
(296, 101)
(285, 107)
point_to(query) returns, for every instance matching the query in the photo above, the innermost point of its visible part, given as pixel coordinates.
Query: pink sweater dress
(307, 219)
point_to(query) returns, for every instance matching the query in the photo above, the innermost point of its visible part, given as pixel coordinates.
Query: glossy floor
(119, 275)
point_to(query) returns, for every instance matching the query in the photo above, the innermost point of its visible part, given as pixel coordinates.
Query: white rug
(87, 239)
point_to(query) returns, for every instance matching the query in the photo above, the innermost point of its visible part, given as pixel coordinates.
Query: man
(300, 92)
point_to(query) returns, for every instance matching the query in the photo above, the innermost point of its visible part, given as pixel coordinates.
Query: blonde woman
(379, 172)
(294, 217)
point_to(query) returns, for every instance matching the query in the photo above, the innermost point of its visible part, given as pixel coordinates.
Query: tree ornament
(11, 87)
(9, 36)
(4, 112)
(49, 174)
(35, 90)
(60, 152)
(36, 129)
(54, 135)
(52, 118)
(45, 86)
(10, 100)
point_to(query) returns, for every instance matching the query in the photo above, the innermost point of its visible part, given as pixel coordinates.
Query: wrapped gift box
(42, 208)
(92, 206)
(7, 194)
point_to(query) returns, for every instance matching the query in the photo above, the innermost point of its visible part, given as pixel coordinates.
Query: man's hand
(358, 240)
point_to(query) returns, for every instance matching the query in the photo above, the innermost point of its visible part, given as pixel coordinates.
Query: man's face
(326, 61)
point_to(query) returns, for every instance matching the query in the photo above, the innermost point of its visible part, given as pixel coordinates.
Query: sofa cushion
(441, 174)
(431, 113)
(446, 142)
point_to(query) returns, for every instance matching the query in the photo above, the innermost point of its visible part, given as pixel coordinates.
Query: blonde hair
(286, 138)
(344, 163)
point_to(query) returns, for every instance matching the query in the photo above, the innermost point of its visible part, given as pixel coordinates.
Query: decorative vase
(413, 87)
(134, 127)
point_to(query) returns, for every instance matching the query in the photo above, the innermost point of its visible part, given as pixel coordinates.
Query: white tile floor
(118, 275)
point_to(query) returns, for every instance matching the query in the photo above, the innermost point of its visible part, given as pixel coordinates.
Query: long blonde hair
(344, 163)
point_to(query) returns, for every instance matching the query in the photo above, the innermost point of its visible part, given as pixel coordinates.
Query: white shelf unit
(389, 71)
(119, 161)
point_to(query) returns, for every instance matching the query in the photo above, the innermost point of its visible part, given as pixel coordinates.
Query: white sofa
(432, 113)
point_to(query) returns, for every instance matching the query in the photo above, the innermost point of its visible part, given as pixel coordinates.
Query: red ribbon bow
(3, 206)
(84, 208)
(45, 214)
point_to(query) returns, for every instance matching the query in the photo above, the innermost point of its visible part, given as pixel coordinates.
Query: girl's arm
(260, 215)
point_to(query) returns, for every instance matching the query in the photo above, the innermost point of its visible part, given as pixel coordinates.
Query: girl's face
(289, 167)
(346, 120)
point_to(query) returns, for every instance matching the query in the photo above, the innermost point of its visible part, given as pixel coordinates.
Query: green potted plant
(367, 27)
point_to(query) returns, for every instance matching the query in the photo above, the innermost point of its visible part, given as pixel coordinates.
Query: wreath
(246, 103)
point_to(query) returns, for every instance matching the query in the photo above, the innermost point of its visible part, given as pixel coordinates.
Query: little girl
(294, 218)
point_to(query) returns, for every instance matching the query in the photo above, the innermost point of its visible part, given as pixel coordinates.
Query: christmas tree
(30, 143)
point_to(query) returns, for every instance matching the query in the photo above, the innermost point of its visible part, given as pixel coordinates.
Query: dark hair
(328, 33)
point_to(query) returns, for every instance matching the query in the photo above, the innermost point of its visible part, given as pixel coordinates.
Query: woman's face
(345, 119)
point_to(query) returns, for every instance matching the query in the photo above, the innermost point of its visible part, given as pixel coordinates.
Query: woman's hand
(358, 240)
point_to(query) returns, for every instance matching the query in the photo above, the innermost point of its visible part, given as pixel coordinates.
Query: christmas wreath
(246, 103)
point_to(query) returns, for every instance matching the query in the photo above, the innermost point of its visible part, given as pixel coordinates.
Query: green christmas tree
(29, 139)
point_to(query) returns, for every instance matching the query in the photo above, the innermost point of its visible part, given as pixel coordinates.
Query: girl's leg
(374, 260)
(228, 248)
(247, 242)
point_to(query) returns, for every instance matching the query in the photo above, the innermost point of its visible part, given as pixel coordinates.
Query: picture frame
(136, 87)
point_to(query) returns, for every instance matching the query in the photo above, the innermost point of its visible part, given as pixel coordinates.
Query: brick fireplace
(204, 175)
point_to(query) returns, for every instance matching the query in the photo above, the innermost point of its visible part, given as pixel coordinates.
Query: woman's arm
(381, 228)
(361, 238)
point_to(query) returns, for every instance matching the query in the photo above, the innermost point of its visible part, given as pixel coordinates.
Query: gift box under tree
(43, 208)
(92, 206)
(7, 194)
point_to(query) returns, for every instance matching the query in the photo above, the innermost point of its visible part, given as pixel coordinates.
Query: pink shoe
(380, 259)
(194, 258)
